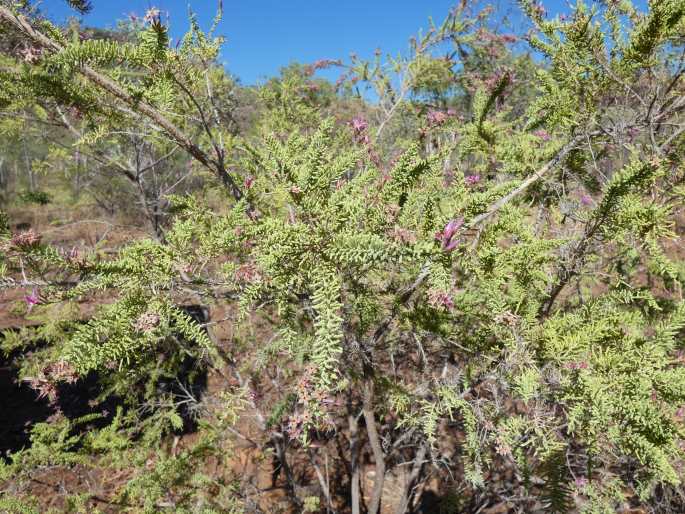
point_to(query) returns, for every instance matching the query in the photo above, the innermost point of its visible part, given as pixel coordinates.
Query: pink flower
(496, 78)
(586, 199)
(440, 299)
(32, 300)
(152, 15)
(27, 239)
(43, 387)
(446, 235)
(249, 182)
(31, 55)
(147, 322)
(436, 117)
(471, 179)
(246, 273)
(61, 371)
(581, 482)
(452, 227)
(325, 63)
(542, 134)
(359, 124)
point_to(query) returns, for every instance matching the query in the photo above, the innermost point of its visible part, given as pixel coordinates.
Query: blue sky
(264, 35)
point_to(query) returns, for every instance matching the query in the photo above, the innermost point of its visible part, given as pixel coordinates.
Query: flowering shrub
(486, 284)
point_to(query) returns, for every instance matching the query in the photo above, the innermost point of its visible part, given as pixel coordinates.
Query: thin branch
(354, 462)
(417, 467)
(107, 84)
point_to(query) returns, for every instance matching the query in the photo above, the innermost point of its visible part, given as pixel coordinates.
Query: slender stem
(354, 462)
(417, 467)
(375, 442)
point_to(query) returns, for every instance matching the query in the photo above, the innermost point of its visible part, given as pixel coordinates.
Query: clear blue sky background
(264, 35)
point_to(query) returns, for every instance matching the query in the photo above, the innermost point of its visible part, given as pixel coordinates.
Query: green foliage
(490, 245)
(194, 490)
(557, 492)
(37, 197)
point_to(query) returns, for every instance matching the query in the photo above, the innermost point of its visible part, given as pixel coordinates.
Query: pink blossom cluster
(31, 54)
(46, 383)
(585, 199)
(152, 15)
(542, 134)
(321, 64)
(246, 273)
(26, 239)
(392, 210)
(502, 447)
(147, 322)
(440, 299)
(75, 258)
(486, 35)
(472, 180)
(507, 318)
(360, 128)
(33, 299)
(493, 80)
(436, 117)
(341, 80)
(307, 395)
(297, 422)
(248, 182)
(61, 371)
(632, 133)
(359, 125)
(581, 482)
(43, 387)
(305, 383)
